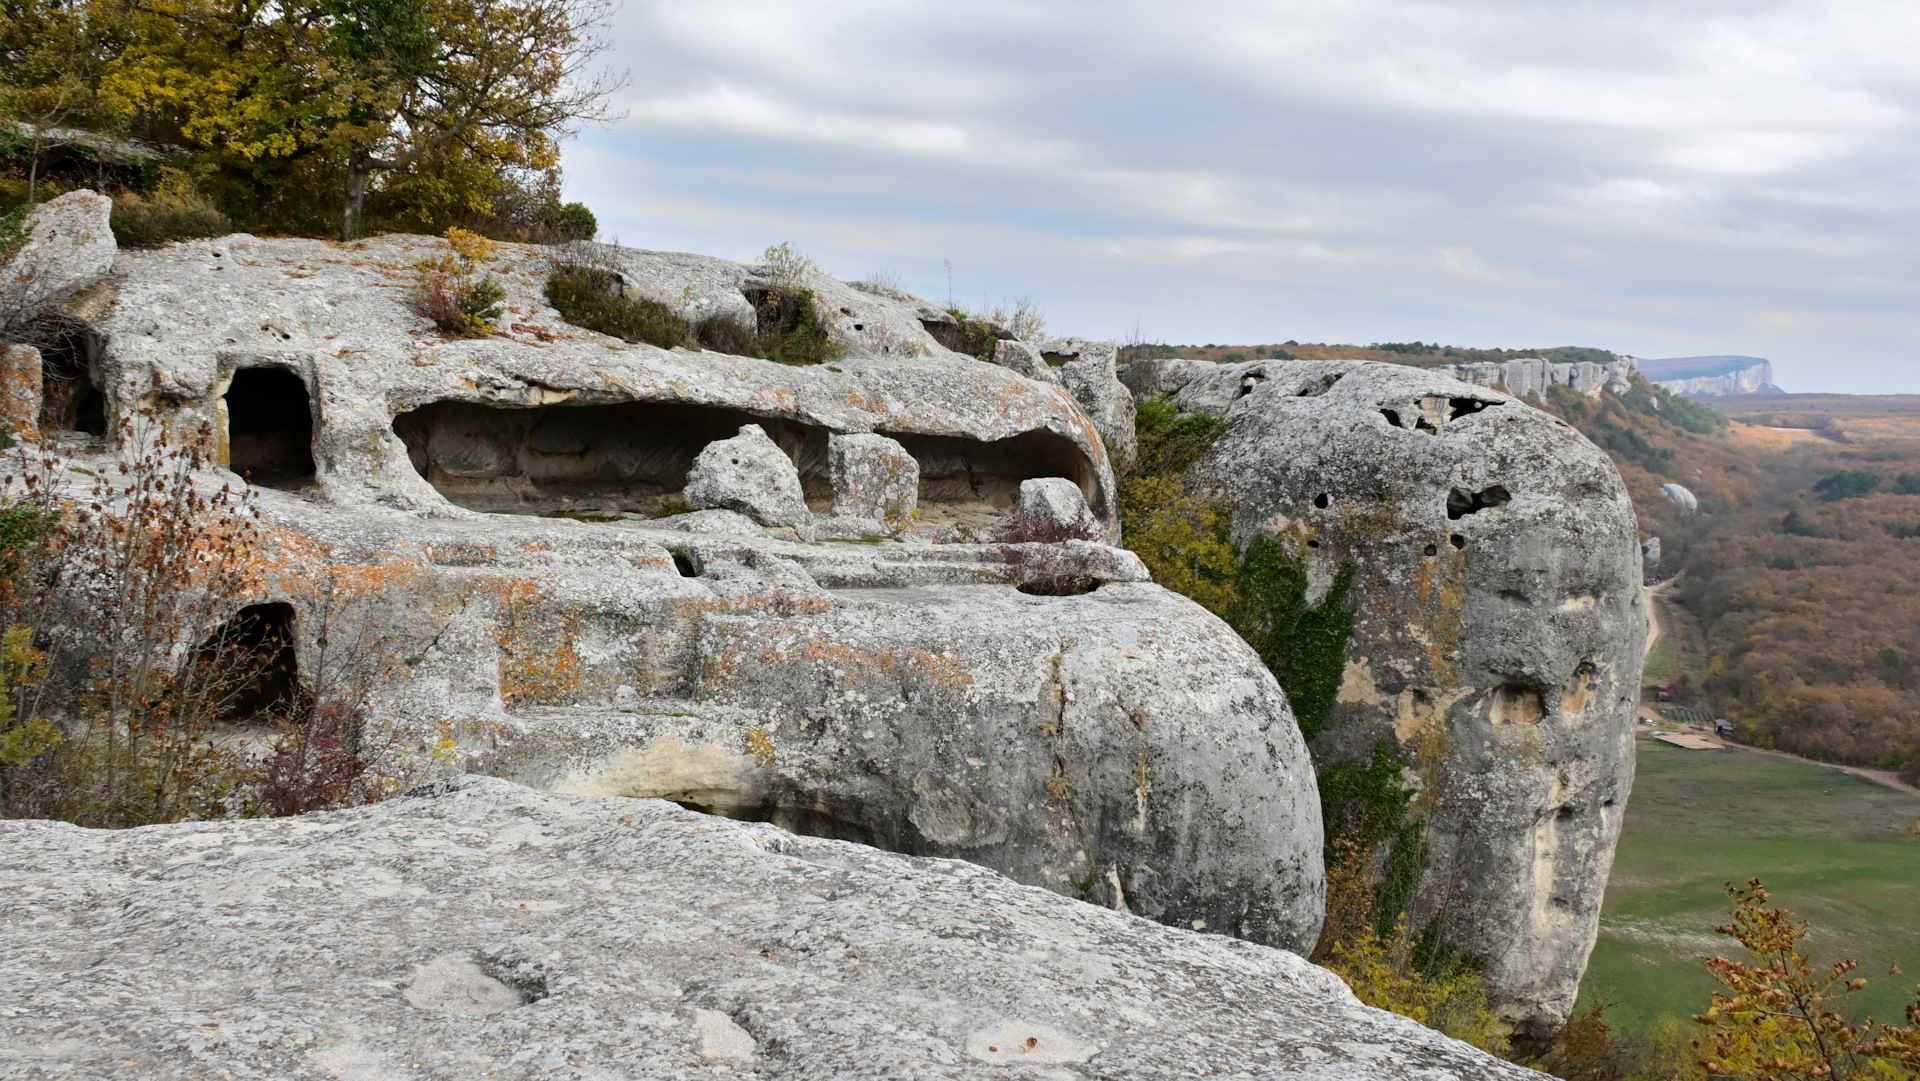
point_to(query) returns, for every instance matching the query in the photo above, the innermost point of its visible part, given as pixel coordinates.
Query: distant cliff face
(1708, 376)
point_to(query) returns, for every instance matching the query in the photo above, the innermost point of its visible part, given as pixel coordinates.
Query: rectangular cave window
(270, 428)
(249, 664)
(70, 398)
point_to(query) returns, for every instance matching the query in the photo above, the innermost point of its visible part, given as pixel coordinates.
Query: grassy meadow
(1831, 847)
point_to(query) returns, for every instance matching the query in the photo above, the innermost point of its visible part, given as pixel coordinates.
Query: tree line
(311, 117)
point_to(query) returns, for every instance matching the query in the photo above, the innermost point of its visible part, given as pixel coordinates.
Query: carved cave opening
(270, 428)
(251, 665)
(70, 396)
(631, 459)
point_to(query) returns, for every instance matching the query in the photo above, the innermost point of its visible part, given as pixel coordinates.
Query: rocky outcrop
(1497, 633)
(1682, 497)
(69, 247)
(481, 929)
(1088, 370)
(1708, 377)
(496, 527)
(1527, 377)
(748, 473)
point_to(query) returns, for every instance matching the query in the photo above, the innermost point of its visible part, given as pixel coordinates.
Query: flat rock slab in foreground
(488, 930)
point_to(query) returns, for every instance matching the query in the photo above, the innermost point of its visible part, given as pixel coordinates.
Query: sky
(1660, 179)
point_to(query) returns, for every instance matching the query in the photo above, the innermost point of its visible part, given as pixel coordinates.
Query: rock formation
(1526, 377)
(1497, 630)
(789, 594)
(481, 929)
(503, 515)
(1708, 377)
(69, 247)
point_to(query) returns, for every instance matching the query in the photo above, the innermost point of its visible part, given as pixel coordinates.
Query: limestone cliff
(840, 645)
(1497, 635)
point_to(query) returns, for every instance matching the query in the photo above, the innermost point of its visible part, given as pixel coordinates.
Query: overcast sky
(1661, 179)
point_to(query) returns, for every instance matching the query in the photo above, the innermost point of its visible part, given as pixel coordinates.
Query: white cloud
(1657, 174)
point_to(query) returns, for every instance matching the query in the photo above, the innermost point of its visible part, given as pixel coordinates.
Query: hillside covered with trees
(1796, 601)
(310, 117)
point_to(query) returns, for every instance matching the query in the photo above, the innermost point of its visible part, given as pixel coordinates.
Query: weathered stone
(1154, 377)
(1051, 505)
(69, 247)
(481, 929)
(1682, 497)
(544, 417)
(20, 392)
(1497, 641)
(513, 497)
(874, 477)
(1023, 357)
(750, 474)
(1088, 370)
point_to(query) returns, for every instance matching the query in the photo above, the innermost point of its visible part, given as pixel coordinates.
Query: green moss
(13, 231)
(1364, 802)
(1171, 441)
(1303, 645)
(1367, 804)
(1180, 534)
(589, 297)
(790, 330)
(1183, 536)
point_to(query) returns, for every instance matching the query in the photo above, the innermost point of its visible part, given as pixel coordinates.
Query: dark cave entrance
(626, 458)
(250, 666)
(270, 428)
(631, 459)
(70, 397)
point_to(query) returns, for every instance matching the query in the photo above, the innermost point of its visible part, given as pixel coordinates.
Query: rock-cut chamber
(632, 458)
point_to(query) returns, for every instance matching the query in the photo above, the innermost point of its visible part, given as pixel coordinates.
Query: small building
(1687, 741)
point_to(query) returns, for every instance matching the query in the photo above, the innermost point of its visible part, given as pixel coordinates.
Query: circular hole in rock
(1313, 544)
(1432, 551)
(1321, 501)
(1457, 541)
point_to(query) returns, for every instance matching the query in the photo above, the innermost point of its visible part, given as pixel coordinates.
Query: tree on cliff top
(442, 108)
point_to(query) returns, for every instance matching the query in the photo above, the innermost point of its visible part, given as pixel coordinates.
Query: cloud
(1656, 177)
(729, 108)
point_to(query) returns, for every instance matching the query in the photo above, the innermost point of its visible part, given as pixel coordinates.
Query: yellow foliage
(1182, 538)
(1382, 974)
(1779, 1023)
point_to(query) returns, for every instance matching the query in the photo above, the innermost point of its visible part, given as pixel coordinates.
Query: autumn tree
(445, 107)
(459, 91)
(1778, 1018)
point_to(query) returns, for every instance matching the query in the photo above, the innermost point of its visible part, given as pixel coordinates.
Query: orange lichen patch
(534, 330)
(539, 651)
(863, 399)
(780, 398)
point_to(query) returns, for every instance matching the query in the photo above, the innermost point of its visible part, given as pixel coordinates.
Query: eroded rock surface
(833, 640)
(748, 473)
(1498, 631)
(69, 247)
(482, 929)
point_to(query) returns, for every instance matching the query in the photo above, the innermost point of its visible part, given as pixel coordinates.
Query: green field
(1829, 846)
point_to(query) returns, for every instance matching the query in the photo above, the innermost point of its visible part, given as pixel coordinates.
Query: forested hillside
(1801, 568)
